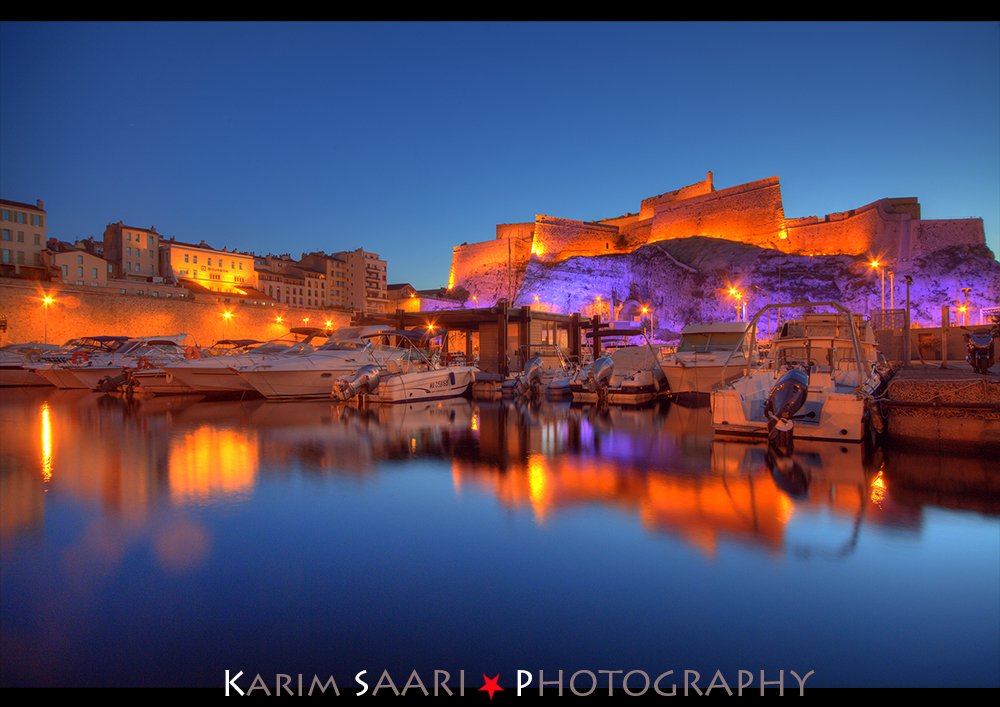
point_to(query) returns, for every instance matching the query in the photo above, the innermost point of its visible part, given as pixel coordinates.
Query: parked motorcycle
(980, 348)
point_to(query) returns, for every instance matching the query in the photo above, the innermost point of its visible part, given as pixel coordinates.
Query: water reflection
(161, 540)
(660, 464)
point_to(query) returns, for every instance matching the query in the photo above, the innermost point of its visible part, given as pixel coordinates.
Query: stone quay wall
(90, 311)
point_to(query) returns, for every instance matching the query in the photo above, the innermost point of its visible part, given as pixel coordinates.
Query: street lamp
(225, 324)
(46, 301)
(737, 295)
(965, 307)
(875, 264)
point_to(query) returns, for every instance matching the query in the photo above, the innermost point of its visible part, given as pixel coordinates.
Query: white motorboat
(13, 360)
(218, 374)
(817, 382)
(57, 368)
(142, 354)
(704, 350)
(629, 375)
(547, 373)
(311, 374)
(403, 373)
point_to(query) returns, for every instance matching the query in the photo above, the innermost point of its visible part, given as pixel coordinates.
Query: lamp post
(906, 341)
(46, 302)
(225, 324)
(735, 294)
(875, 264)
(892, 290)
(965, 307)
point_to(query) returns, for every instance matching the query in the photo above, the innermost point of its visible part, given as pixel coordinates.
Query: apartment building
(293, 283)
(205, 268)
(23, 237)
(134, 251)
(78, 265)
(357, 279)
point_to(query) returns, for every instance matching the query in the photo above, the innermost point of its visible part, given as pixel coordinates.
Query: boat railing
(751, 332)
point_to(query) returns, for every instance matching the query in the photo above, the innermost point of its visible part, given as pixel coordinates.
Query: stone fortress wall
(751, 213)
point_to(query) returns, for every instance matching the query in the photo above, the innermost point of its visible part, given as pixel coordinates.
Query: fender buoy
(79, 357)
(191, 352)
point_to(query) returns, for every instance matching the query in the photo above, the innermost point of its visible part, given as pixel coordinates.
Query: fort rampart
(750, 213)
(88, 311)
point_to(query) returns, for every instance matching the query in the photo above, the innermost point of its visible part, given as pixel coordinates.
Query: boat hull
(640, 388)
(12, 376)
(210, 379)
(436, 384)
(701, 378)
(304, 382)
(159, 382)
(739, 411)
(60, 376)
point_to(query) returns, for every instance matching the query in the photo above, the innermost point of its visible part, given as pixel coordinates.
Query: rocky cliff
(689, 280)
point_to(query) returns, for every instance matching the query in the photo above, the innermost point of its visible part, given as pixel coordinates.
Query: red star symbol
(491, 685)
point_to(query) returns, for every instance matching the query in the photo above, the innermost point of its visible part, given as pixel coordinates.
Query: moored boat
(817, 382)
(629, 375)
(218, 373)
(403, 373)
(14, 362)
(547, 373)
(695, 368)
(311, 374)
(57, 367)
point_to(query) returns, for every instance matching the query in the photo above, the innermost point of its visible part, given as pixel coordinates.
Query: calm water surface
(164, 542)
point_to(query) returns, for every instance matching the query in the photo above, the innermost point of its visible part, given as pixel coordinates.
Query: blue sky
(407, 139)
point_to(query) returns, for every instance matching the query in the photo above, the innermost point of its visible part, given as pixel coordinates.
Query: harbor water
(248, 545)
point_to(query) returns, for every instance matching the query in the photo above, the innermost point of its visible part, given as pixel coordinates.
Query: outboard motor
(598, 374)
(785, 399)
(366, 380)
(109, 384)
(980, 355)
(531, 379)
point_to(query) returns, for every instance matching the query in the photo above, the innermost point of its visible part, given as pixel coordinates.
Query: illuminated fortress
(750, 213)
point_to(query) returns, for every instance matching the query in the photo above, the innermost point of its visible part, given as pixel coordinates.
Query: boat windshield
(273, 347)
(342, 345)
(710, 341)
(402, 354)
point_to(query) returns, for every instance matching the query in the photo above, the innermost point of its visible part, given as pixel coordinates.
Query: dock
(944, 407)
